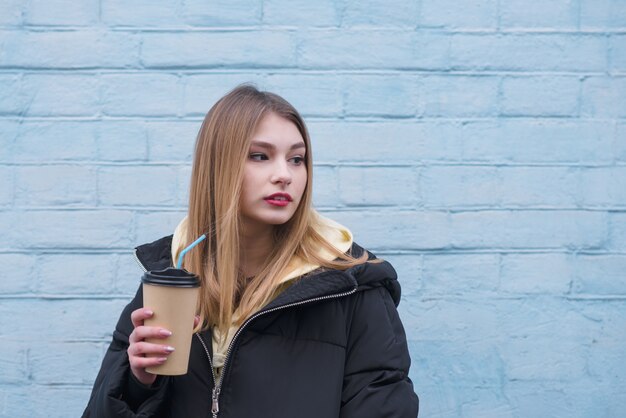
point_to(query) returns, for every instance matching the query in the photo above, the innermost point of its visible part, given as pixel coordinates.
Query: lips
(280, 197)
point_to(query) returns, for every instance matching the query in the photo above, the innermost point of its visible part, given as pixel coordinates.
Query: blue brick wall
(479, 146)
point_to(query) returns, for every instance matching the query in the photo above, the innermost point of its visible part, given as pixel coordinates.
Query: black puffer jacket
(331, 345)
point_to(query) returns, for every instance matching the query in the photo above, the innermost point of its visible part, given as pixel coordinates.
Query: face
(275, 174)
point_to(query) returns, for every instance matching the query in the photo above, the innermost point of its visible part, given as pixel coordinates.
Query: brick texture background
(480, 146)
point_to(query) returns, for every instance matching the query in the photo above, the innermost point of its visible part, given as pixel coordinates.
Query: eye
(258, 156)
(297, 160)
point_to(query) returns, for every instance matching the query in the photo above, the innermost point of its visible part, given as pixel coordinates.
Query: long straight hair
(222, 147)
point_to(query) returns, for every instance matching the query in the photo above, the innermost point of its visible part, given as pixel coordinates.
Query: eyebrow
(268, 145)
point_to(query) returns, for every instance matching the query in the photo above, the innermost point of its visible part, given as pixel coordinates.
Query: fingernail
(149, 312)
(162, 359)
(165, 332)
(169, 348)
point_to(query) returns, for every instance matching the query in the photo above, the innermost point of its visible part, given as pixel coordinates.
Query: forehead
(276, 131)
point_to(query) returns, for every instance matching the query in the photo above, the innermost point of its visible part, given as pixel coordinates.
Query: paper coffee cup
(172, 295)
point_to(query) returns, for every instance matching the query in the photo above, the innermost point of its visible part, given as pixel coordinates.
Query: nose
(282, 173)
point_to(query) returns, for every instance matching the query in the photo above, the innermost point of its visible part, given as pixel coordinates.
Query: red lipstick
(278, 199)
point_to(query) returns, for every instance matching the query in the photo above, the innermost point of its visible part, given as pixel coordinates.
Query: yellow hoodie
(335, 233)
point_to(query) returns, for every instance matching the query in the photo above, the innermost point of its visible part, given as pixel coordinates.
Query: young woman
(294, 318)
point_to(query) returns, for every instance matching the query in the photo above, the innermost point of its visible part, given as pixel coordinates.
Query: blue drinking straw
(183, 252)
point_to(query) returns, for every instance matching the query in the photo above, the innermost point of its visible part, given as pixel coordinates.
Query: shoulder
(155, 255)
(376, 273)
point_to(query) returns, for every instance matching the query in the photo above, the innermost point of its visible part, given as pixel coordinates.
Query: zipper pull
(215, 406)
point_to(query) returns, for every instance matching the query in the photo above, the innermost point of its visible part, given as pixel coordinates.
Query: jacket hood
(159, 254)
(335, 233)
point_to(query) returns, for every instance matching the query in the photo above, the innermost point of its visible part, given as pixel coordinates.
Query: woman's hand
(138, 348)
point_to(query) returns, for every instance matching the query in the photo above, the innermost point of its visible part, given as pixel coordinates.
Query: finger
(143, 362)
(138, 315)
(141, 349)
(142, 332)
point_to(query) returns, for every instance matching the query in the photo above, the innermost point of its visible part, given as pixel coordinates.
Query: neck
(256, 245)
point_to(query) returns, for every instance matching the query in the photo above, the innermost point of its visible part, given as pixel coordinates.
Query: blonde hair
(221, 150)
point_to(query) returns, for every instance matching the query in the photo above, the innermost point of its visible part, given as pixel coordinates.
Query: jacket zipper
(139, 262)
(215, 396)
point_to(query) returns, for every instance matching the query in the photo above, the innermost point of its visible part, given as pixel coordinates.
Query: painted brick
(607, 320)
(404, 142)
(41, 401)
(488, 402)
(49, 49)
(617, 231)
(600, 274)
(141, 94)
(603, 186)
(311, 94)
(528, 229)
(544, 273)
(11, 12)
(540, 96)
(49, 362)
(325, 187)
(222, 12)
(153, 225)
(381, 96)
(460, 273)
(202, 91)
(620, 142)
(346, 49)
(394, 13)
(602, 14)
(183, 181)
(6, 186)
(451, 363)
(9, 235)
(544, 141)
(547, 187)
(141, 12)
(454, 319)
(73, 229)
(336, 49)
(57, 140)
(559, 14)
(79, 91)
(528, 359)
(617, 51)
(9, 130)
(172, 141)
(62, 185)
(13, 362)
(383, 230)
(378, 186)
(122, 141)
(576, 399)
(316, 14)
(454, 96)
(528, 52)
(65, 319)
(12, 98)
(454, 186)
(18, 273)
(215, 49)
(128, 186)
(90, 273)
(61, 12)
(604, 97)
(128, 273)
(451, 14)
